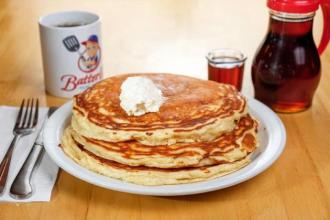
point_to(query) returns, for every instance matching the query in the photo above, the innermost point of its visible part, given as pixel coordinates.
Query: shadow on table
(99, 196)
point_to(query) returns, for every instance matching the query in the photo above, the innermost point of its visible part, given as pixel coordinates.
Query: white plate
(272, 141)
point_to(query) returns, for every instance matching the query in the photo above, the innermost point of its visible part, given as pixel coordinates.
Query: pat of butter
(139, 95)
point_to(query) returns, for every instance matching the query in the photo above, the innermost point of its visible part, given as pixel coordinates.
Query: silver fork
(25, 124)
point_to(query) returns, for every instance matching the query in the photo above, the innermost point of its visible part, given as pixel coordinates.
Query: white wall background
(175, 35)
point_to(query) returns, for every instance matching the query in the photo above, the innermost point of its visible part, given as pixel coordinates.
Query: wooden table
(172, 36)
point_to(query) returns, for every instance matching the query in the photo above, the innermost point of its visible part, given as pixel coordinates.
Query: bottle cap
(294, 6)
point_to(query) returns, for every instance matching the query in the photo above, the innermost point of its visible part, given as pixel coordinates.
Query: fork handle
(21, 187)
(4, 166)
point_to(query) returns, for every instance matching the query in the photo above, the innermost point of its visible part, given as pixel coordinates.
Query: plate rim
(51, 134)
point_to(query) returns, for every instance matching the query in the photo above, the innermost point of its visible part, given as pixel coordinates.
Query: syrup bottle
(286, 67)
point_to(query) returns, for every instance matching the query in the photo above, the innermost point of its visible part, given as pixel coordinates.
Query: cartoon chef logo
(90, 58)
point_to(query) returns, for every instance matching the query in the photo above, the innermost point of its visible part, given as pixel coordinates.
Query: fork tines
(29, 112)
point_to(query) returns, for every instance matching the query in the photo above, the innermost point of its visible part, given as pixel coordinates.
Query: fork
(25, 124)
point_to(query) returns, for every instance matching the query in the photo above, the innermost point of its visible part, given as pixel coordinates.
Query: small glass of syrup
(226, 66)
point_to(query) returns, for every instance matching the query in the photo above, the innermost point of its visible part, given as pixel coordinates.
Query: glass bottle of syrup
(286, 67)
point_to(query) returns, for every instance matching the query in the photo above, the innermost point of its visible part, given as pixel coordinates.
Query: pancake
(146, 175)
(228, 147)
(194, 111)
(201, 131)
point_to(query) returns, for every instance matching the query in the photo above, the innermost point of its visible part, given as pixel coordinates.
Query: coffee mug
(71, 51)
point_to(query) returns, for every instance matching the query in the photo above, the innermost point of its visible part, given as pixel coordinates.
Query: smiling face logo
(90, 58)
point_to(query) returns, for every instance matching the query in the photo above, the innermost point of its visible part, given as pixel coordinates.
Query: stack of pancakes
(202, 131)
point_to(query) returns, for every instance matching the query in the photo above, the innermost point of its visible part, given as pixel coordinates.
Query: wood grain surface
(172, 36)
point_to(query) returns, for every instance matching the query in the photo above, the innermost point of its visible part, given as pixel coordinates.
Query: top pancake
(194, 110)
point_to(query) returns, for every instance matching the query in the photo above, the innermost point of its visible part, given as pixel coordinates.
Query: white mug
(71, 51)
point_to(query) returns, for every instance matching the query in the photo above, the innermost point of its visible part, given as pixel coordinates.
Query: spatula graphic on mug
(72, 44)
